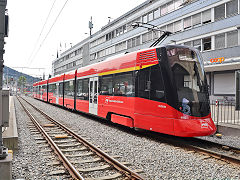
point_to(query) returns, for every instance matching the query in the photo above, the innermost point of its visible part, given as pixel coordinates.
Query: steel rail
(183, 143)
(215, 154)
(215, 143)
(120, 167)
(67, 164)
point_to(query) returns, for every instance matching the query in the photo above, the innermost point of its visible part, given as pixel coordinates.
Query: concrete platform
(6, 168)
(10, 135)
(229, 129)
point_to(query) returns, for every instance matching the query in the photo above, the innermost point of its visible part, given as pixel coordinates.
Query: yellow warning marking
(118, 71)
(125, 70)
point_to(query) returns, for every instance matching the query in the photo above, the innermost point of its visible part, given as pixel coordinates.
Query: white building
(212, 26)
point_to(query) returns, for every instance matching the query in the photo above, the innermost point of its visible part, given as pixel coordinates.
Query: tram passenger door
(57, 93)
(93, 95)
(41, 92)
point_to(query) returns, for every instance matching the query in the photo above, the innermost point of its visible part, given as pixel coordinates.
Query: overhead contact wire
(49, 13)
(48, 32)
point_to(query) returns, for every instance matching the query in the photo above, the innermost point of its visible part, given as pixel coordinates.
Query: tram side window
(82, 89)
(79, 94)
(123, 84)
(60, 89)
(85, 89)
(106, 87)
(52, 89)
(68, 89)
(150, 84)
(41, 90)
(44, 89)
(144, 83)
(157, 85)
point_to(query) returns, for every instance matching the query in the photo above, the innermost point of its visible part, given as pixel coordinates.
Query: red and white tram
(161, 89)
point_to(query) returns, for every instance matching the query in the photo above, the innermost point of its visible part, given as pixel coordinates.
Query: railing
(225, 112)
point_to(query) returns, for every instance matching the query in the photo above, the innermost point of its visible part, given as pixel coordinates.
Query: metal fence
(225, 112)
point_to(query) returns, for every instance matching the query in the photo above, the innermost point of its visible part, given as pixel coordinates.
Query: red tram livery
(161, 89)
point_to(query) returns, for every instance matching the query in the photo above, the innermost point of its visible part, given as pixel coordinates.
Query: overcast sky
(27, 18)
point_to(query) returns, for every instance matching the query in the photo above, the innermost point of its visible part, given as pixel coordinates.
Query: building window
(109, 50)
(163, 10)
(150, 16)
(149, 36)
(145, 18)
(178, 3)
(163, 28)
(121, 46)
(207, 43)
(197, 44)
(232, 8)
(220, 41)
(155, 35)
(138, 41)
(206, 16)
(119, 31)
(113, 35)
(133, 42)
(129, 25)
(170, 7)
(129, 43)
(178, 26)
(219, 12)
(156, 13)
(189, 43)
(144, 38)
(232, 38)
(93, 56)
(124, 29)
(187, 22)
(170, 27)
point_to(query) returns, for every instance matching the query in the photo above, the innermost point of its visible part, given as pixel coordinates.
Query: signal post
(5, 159)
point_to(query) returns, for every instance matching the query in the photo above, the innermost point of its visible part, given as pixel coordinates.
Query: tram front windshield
(192, 91)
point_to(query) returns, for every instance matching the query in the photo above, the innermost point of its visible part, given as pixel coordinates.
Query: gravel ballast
(157, 160)
(30, 161)
(27, 161)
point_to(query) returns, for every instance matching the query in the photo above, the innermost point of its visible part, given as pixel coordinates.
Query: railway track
(209, 149)
(81, 159)
(217, 150)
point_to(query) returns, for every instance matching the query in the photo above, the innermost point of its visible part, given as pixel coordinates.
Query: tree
(22, 81)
